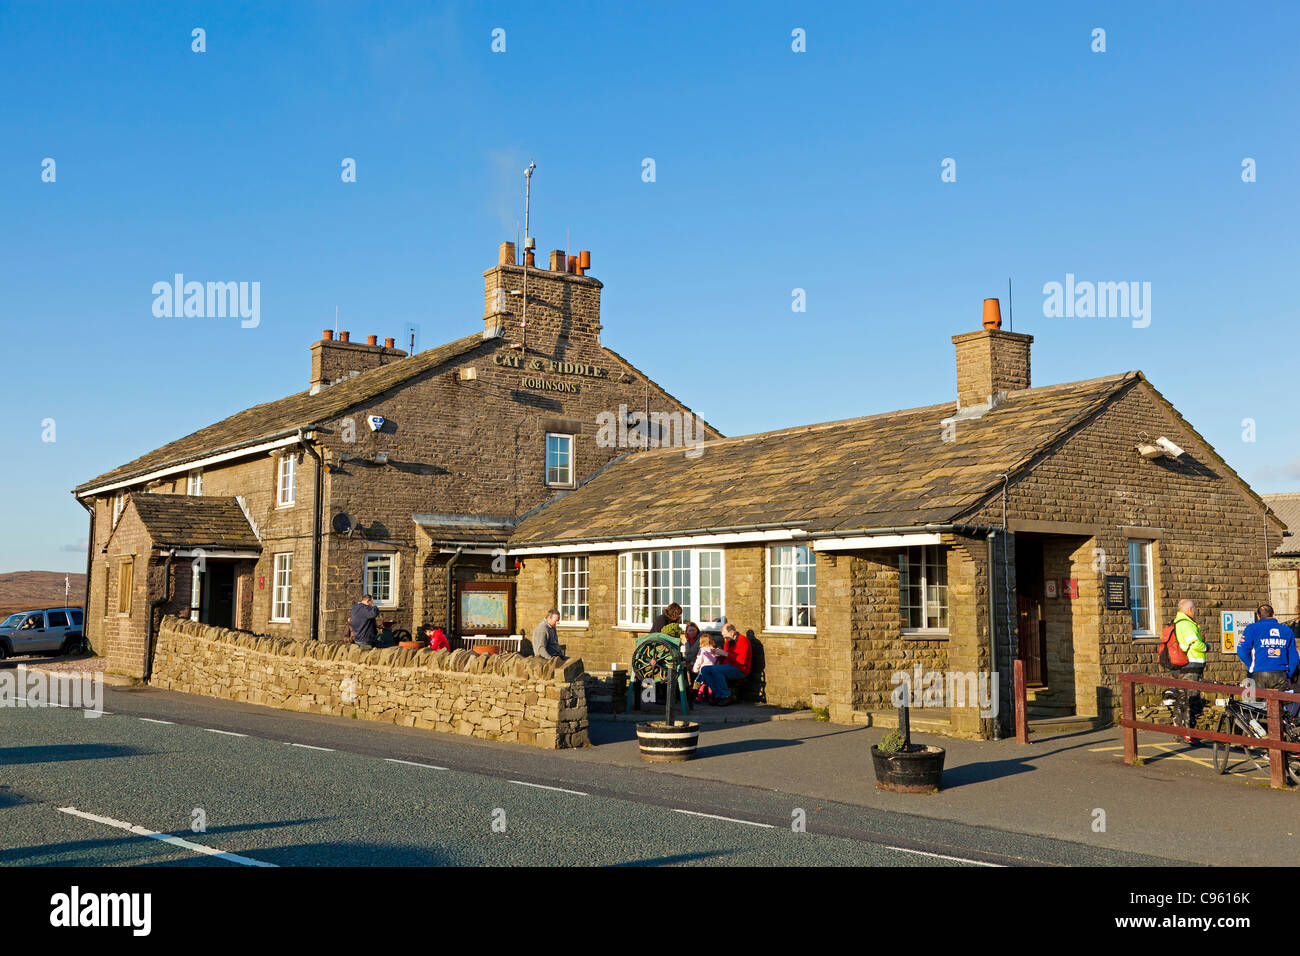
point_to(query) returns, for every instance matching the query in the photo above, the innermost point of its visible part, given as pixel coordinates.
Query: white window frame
(391, 600)
(578, 575)
(286, 480)
(925, 589)
(659, 597)
(1146, 548)
(276, 603)
(194, 483)
(546, 463)
(119, 505)
(767, 594)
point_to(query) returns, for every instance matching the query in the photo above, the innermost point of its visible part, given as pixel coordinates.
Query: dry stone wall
(490, 696)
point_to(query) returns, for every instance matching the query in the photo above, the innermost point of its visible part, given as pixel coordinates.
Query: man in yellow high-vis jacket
(1188, 634)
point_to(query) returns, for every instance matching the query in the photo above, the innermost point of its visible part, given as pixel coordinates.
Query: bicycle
(1249, 719)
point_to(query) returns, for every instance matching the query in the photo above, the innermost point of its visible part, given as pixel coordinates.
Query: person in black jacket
(363, 619)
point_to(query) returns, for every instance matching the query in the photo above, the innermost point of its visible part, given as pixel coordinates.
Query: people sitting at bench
(736, 656)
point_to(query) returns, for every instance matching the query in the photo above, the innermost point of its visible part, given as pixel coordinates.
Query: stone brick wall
(492, 697)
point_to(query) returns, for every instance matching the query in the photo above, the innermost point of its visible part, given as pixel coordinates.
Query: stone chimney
(563, 303)
(333, 361)
(990, 361)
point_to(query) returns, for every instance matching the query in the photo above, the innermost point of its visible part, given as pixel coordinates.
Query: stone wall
(489, 696)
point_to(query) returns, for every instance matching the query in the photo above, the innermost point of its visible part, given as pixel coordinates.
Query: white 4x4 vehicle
(36, 632)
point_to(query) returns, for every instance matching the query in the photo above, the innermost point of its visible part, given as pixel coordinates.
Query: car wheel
(70, 646)
(4, 650)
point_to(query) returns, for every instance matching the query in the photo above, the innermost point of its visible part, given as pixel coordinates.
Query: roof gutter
(795, 531)
(288, 436)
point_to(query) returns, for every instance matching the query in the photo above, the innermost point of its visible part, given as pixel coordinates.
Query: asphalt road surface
(170, 779)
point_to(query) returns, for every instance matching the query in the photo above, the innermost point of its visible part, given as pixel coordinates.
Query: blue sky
(775, 170)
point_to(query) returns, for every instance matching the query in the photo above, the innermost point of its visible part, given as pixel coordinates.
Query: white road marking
(165, 838)
(937, 856)
(412, 763)
(228, 733)
(310, 747)
(542, 786)
(50, 703)
(152, 720)
(887, 846)
(713, 816)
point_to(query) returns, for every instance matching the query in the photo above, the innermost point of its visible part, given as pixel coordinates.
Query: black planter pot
(662, 742)
(919, 770)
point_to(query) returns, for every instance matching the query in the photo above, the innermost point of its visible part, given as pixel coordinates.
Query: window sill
(925, 634)
(795, 631)
(279, 620)
(284, 507)
(576, 625)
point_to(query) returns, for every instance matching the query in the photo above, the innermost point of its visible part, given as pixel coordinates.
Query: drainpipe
(153, 606)
(315, 534)
(1013, 639)
(993, 633)
(450, 565)
(90, 550)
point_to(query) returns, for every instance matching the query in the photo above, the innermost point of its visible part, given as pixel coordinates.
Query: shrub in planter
(904, 767)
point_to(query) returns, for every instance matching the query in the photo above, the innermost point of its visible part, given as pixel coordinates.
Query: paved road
(286, 789)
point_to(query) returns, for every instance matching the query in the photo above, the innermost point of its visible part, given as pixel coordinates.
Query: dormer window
(194, 486)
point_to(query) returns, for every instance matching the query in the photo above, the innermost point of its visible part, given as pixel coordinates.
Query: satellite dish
(343, 523)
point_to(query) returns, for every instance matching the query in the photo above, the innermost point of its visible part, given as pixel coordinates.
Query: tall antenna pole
(523, 323)
(336, 321)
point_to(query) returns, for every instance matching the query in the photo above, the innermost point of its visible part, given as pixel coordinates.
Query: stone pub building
(398, 475)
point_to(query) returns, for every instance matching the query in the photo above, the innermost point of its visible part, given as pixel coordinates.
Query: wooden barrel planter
(916, 770)
(662, 742)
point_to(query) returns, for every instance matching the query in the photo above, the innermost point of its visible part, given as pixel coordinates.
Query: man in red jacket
(739, 656)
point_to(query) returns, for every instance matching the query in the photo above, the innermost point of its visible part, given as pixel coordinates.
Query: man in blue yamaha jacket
(1268, 650)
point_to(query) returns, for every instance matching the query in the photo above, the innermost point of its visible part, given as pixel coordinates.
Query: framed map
(486, 607)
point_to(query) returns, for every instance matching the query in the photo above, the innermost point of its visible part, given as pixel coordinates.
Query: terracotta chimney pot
(992, 314)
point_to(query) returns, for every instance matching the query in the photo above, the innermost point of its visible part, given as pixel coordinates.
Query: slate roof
(262, 422)
(1287, 507)
(881, 471)
(195, 522)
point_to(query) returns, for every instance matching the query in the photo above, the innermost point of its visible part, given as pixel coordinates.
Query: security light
(1173, 450)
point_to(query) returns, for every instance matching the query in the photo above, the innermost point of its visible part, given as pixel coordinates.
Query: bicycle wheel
(1221, 747)
(1292, 735)
(1258, 755)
